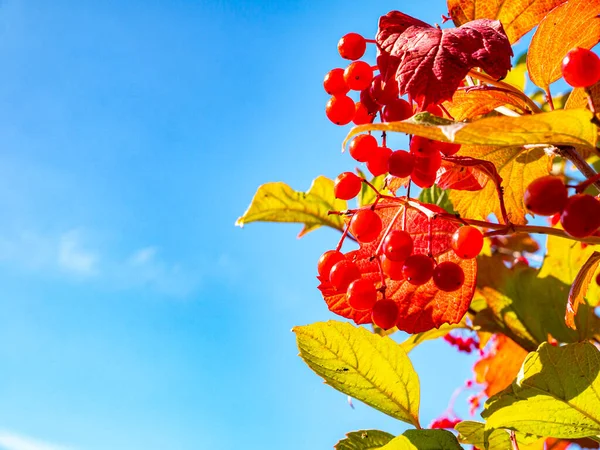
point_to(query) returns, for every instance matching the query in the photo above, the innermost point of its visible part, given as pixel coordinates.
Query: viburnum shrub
(457, 261)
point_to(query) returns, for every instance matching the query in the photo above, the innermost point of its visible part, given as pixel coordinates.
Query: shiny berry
(378, 161)
(362, 146)
(401, 163)
(362, 294)
(423, 179)
(347, 185)
(581, 215)
(421, 146)
(385, 314)
(342, 274)
(448, 149)
(383, 92)
(334, 83)
(467, 242)
(448, 276)
(396, 110)
(352, 46)
(392, 269)
(430, 163)
(358, 75)
(340, 109)
(327, 260)
(418, 269)
(546, 196)
(397, 245)
(362, 115)
(365, 225)
(581, 67)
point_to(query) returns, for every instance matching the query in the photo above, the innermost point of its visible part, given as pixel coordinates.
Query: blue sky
(133, 314)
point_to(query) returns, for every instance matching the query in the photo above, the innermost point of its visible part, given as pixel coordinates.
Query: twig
(570, 153)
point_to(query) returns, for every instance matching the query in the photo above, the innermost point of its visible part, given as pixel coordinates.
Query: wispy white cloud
(72, 257)
(13, 441)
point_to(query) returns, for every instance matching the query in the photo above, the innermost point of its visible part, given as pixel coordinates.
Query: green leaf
(559, 127)
(424, 440)
(518, 74)
(557, 394)
(437, 196)
(277, 202)
(367, 195)
(363, 365)
(526, 307)
(415, 339)
(364, 440)
(473, 433)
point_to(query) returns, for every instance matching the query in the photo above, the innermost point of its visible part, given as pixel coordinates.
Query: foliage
(476, 145)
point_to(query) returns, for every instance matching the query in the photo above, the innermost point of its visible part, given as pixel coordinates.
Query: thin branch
(570, 153)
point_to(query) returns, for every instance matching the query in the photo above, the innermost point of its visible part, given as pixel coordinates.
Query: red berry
(397, 245)
(334, 83)
(384, 92)
(362, 294)
(342, 274)
(448, 276)
(467, 242)
(448, 149)
(423, 179)
(340, 109)
(398, 109)
(401, 163)
(362, 146)
(393, 269)
(581, 215)
(365, 225)
(352, 46)
(347, 185)
(430, 163)
(421, 146)
(362, 115)
(435, 110)
(418, 269)
(581, 67)
(358, 75)
(546, 196)
(326, 262)
(366, 99)
(385, 314)
(378, 161)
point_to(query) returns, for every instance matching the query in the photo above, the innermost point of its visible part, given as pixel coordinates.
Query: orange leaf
(477, 101)
(501, 366)
(579, 288)
(578, 98)
(517, 16)
(572, 24)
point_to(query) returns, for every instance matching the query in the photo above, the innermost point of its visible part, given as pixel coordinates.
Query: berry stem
(549, 98)
(370, 41)
(591, 105)
(501, 84)
(570, 153)
(513, 440)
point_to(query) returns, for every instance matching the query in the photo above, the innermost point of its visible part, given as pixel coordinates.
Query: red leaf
(421, 307)
(430, 63)
(453, 176)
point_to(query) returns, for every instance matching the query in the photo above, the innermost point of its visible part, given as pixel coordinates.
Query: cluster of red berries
(396, 258)
(445, 422)
(421, 162)
(579, 213)
(463, 344)
(376, 94)
(581, 68)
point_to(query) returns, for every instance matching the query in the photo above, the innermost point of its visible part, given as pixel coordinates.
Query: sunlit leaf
(517, 16)
(277, 202)
(572, 24)
(560, 127)
(580, 287)
(436, 196)
(364, 440)
(517, 76)
(473, 433)
(527, 307)
(363, 365)
(579, 99)
(413, 340)
(517, 166)
(557, 394)
(476, 101)
(424, 440)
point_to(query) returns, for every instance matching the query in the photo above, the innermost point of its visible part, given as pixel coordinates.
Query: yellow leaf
(467, 104)
(363, 365)
(572, 24)
(517, 75)
(517, 167)
(578, 98)
(560, 127)
(277, 202)
(517, 16)
(415, 339)
(579, 288)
